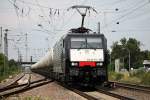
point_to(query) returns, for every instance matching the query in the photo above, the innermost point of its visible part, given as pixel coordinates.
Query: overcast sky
(46, 21)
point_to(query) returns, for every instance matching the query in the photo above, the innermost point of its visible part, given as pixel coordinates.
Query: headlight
(74, 64)
(99, 64)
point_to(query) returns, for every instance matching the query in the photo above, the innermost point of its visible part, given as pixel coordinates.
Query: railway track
(15, 84)
(133, 87)
(12, 82)
(15, 89)
(115, 95)
(77, 91)
(123, 90)
(90, 96)
(97, 94)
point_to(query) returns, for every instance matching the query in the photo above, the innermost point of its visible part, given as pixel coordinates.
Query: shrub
(146, 79)
(132, 80)
(115, 76)
(11, 67)
(138, 73)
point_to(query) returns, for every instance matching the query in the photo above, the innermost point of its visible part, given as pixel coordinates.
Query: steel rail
(17, 78)
(88, 97)
(24, 87)
(121, 97)
(133, 87)
(15, 86)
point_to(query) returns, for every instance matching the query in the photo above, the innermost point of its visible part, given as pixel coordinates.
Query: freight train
(79, 57)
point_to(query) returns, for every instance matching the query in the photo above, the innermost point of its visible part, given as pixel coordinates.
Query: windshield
(94, 43)
(78, 42)
(90, 42)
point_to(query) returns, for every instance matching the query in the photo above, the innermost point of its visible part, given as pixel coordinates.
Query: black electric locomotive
(81, 57)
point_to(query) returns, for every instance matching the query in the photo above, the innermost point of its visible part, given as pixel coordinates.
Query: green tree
(12, 62)
(116, 51)
(146, 54)
(122, 49)
(7, 67)
(1, 59)
(3, 63)
(123, 42)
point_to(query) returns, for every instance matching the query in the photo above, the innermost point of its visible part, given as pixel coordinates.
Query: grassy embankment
(139, 77)
(9, 72)
(8, 67)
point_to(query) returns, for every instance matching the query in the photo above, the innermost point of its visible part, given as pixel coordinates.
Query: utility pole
(1, 40)
(18, 56)
(110, 62)
(5, 49)
(6, 43)
(129, 60)
(26, 46)
(129, 57)
(31, 59)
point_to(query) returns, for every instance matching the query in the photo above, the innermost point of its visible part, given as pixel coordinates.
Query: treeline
(125, 47)
(8, 67)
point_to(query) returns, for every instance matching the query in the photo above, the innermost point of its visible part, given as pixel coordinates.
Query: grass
(8, 72)
(139, 77)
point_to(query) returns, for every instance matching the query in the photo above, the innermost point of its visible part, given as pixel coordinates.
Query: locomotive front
(87, 58)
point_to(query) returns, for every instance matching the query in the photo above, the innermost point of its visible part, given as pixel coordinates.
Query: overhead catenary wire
(131, 6)
(13, 4)
(68, 20)
(127, 14)
(47, 19)
(16, 8)
(130, 12)
(39, 5)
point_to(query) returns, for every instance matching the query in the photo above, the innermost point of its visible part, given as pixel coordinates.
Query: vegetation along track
(23, 87)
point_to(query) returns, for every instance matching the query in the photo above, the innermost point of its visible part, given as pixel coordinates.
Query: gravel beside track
(132, 90)
(51, 91)
(94, 94)
(132, 93)
(101, 96)
(55, 91)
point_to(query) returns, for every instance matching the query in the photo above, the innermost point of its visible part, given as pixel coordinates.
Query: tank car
(45, 65)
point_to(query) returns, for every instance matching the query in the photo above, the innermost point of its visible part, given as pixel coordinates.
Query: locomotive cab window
(94, 42)
(78, 42)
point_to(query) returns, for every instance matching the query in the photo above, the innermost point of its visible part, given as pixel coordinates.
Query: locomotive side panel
(59, 60)
(57, 57)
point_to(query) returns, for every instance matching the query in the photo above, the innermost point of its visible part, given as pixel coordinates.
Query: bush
(11, 67)
(138, 73)
(115, 76)
(146, 79)
(132, 80)
(140, 77)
